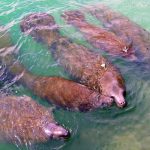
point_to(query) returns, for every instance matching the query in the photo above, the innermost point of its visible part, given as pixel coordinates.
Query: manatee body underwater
(57, 90)
(5, 43)
(124, 28)
(24, 121)
(99, 37)
(90, 68)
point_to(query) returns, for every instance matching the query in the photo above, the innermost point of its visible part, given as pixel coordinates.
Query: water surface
(107, 129)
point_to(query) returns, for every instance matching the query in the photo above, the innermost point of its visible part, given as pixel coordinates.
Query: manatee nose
(56, 131)
(65, 134)
(121, 103)
(61, 132)
(125, 104)
(119, 97)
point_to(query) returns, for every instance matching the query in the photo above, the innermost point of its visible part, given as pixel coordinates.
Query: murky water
(107, 129)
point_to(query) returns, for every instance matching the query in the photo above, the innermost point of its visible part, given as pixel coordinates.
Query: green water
(107, 129)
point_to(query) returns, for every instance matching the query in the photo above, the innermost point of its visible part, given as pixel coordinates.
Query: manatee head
(113, 85)
(40, 26)
(73, 16)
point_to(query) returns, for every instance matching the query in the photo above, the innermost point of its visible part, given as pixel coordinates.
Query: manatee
(57, 90)
(62, 92)
(124, 28)
(22, 121)
(89, 68)
(99, 37)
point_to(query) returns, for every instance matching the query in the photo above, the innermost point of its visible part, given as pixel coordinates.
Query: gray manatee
(57, 90)
(22, 120)
(91, 69)
(129, 31)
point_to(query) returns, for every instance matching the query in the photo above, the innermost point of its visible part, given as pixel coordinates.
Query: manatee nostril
(66, 135)
(124, 104)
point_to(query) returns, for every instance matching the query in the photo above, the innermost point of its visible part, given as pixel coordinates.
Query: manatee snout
(113, 86)
(36, 21)
(119, 98)
(55, 131)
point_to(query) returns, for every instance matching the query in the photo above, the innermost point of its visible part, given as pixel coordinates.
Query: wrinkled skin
(24, 121)
(98, 36)
(124, 28)
(90, 68)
